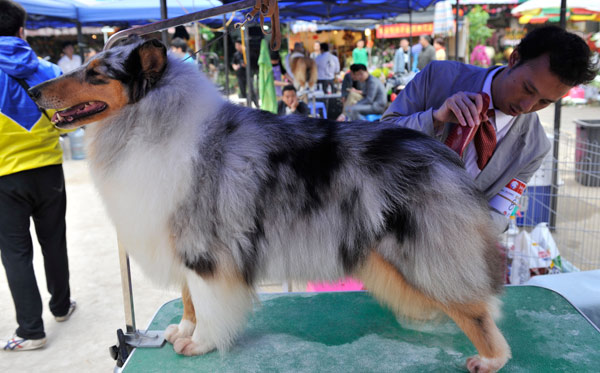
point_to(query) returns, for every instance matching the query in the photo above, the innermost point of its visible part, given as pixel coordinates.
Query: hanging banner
(401, 30)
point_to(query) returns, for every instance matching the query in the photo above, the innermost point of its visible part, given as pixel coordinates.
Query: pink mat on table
(346, 284)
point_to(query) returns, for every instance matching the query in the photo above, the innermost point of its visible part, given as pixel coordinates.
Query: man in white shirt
(402, 58)
(69, 61)
(328, 66)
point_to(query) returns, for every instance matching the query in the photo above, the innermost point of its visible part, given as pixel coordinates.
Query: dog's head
(100, 88)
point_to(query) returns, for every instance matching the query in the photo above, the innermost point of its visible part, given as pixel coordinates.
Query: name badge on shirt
(508, 198)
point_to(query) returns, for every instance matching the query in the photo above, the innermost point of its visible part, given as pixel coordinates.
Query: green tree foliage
(478, 30)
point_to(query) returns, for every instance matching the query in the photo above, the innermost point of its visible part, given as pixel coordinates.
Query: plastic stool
(319, 106)
(372, 117)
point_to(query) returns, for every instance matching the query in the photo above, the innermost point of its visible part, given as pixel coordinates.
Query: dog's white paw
(485, 365)
(182, 330)
(188, 347)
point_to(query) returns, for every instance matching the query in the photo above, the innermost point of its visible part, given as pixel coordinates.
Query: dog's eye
(92, 73)
(94, 77)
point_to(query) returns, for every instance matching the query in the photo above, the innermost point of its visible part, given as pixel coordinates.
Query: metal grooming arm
(265, 8)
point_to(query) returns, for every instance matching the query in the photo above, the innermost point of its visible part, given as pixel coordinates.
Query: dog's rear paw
(485, 365)
(182, 330)
(187, 347)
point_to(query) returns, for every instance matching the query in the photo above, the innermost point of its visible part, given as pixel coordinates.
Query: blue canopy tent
(125, 10)
(66, 13)
(53, 8)
(126, 13)
(336, 10)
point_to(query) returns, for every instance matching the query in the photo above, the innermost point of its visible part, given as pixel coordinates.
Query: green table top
(351, 332)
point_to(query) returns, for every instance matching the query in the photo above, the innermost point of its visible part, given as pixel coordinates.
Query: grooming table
(351, 332)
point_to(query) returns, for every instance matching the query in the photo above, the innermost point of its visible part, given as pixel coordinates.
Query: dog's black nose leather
(34, 93)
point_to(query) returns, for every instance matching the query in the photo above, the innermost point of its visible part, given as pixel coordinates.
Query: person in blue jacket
(32, 185)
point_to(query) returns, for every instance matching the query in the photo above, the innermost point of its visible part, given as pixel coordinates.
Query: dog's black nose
(34, 93)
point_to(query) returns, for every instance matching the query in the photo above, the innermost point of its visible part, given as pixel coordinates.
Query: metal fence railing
(575, 225)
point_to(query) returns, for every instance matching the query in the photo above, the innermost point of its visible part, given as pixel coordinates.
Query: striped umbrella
(541, 11)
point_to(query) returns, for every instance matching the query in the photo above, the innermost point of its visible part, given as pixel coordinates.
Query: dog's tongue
(70, 114)
(77, 110)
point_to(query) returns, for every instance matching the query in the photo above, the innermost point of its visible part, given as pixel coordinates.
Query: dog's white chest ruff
(140, 194)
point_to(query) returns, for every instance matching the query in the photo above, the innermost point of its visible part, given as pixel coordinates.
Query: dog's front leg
(221, 303)
(185, 328)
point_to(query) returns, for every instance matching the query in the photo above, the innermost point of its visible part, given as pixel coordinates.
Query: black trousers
(327, 83)
(39, 194)
(241, 78)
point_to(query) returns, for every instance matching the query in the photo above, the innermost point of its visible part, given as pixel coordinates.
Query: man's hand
(235, 66)
(294, 104)
(352, 89)
(462, 108)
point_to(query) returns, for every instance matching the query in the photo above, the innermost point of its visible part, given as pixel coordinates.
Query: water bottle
(64, 144)
(513, 230)
(77, 145)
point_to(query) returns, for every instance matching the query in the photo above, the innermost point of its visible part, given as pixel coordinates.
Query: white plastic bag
(543, 249)
(541, 234)
(519, 270)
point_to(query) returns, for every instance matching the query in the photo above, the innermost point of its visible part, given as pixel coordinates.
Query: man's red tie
(483, 136)
(485, 141)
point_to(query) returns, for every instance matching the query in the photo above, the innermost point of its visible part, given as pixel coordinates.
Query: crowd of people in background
(360, 92)
(333, 77)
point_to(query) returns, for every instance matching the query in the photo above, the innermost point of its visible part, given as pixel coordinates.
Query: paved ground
(81, 344)
(569, 114)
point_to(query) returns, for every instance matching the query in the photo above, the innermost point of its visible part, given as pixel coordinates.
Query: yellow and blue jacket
(28, 139)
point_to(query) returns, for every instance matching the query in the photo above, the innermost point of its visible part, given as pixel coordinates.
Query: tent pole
(249, 85)
(557, 112)
(226, 54)
(163, 15)
(80, 42)
(456, 32)
(410, 57)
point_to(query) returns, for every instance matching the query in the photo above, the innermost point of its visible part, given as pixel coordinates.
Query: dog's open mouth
(74, 113)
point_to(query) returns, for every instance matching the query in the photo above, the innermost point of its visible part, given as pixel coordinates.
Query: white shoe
(17, 343)
(66, 317)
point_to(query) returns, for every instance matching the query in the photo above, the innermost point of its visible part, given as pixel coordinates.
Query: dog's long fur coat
(217, 197)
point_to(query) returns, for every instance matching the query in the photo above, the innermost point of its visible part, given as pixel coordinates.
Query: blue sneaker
(16, 343)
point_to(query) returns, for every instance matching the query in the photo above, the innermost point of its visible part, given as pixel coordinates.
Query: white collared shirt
(501, 122)
(67, 64)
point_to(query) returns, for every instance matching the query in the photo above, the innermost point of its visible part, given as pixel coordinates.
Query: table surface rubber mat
(352, 332)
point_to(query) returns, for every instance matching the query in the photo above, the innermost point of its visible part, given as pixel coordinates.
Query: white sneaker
(66, 317)
(17, 343)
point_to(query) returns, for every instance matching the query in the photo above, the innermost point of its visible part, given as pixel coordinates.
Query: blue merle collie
(216, 197)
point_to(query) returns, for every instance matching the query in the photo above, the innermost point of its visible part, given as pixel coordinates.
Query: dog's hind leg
(221, 303)
(389, 286)
(186, 326)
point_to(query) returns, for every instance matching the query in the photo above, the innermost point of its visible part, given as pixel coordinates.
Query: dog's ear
(153, 58)
(131, 39)
(146, 64)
